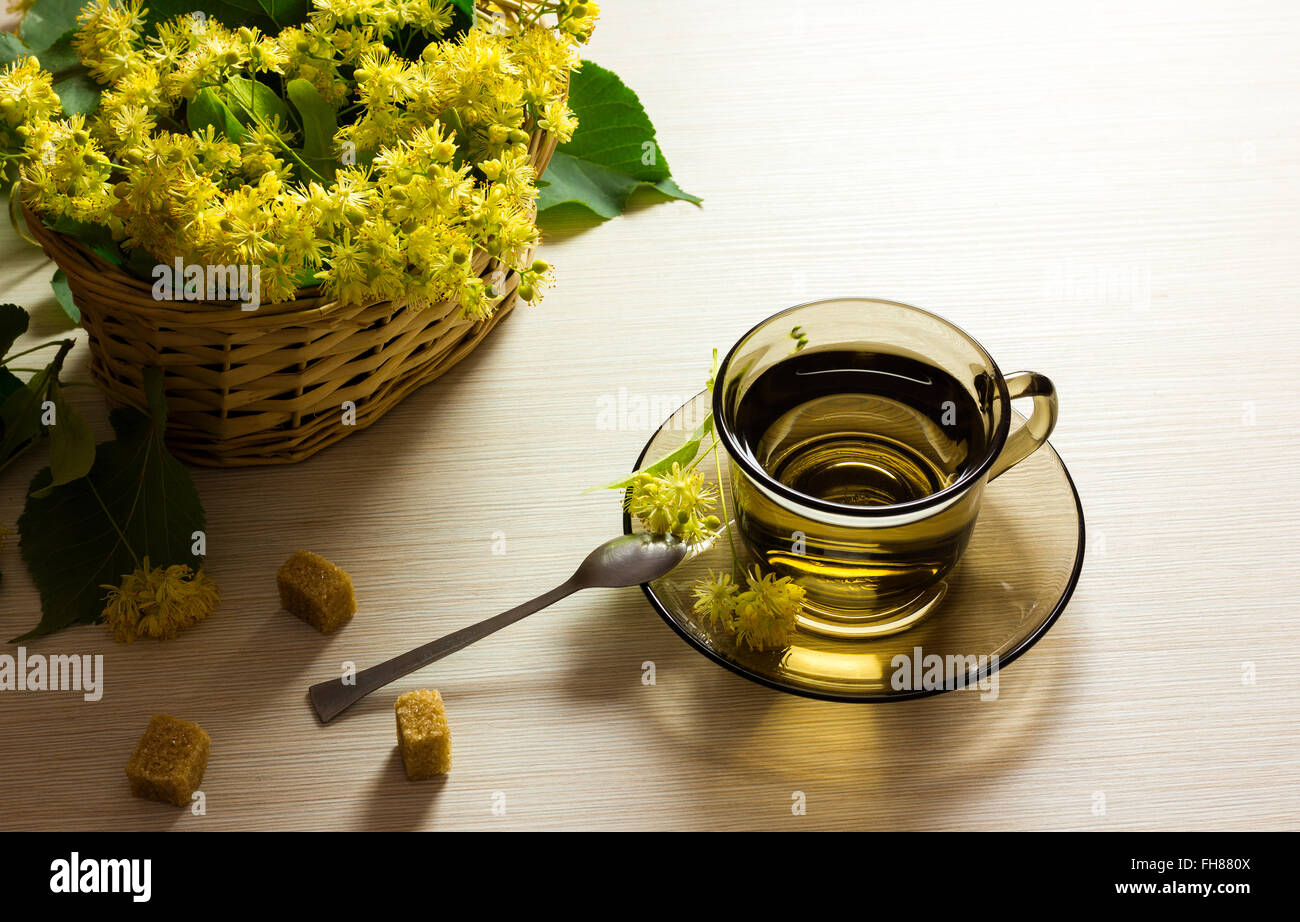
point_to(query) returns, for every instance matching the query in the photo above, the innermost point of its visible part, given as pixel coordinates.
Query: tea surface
(860, 428)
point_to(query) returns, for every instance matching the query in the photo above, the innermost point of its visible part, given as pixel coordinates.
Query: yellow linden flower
(532, 279)
(108, 36)
(27, 94)
(578, 18)
(715, 600)
(170, 41)
(765, 614)
(475, 299)
(157, 602)
(677, 502)
(132, 123)
(432, 171)
(559, 120)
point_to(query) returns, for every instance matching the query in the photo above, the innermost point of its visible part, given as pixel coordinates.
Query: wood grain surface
(1108, 193)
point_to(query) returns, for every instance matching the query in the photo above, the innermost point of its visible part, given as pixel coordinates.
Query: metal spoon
(624, 561)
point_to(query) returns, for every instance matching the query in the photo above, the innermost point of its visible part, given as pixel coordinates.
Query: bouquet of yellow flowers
(356, 160)
(371, 150)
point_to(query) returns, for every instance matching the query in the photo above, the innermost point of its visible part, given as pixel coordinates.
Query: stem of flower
(722, 494)
(15, 355)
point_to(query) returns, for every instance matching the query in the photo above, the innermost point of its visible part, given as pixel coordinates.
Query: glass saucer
(1009, 588)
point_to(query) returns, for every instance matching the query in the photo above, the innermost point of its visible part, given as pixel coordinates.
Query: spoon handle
(332, 698)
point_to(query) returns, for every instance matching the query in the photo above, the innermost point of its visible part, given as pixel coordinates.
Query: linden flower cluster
(676, 503)
(679, 502)
(427, 177)
(159, 603)
(763, 616)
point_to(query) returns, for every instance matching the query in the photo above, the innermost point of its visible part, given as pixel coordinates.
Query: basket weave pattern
(266, 386)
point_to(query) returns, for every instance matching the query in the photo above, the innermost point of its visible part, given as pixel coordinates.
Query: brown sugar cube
(169, 760)
(422, 734)
(316, 591)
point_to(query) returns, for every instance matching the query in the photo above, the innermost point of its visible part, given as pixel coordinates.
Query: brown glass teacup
(861, 435)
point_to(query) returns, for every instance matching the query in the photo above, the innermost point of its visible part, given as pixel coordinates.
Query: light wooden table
(1107, 193)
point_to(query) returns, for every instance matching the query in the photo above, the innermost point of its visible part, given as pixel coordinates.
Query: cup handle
(1026, 440)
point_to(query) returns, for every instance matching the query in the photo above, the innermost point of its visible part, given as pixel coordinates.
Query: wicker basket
(265, 386)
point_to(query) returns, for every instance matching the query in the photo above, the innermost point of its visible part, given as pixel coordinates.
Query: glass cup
(849, 473)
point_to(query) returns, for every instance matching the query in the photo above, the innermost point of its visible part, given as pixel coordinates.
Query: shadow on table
(250, 542)
(396, 804)
(741, 734)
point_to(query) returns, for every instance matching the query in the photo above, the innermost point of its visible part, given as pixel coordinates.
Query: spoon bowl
(630, 560)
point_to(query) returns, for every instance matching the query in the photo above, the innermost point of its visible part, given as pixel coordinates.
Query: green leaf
(12, 48)
(137, 501)
(209, 109)
(232, 13)
(319, 123)
(60, 56)
(254, 102)
(612, 154)
(20, 415)
(140, 264)
(286, 12)
(9, 382)
(63, 294)
(466, 7)
(13, 323)
(684, 455)
(597, 188)
(96, 237)
(613, 128)
(670, 188)
(72, 445)
(47, 20)
(590, 185)
(78, 93)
